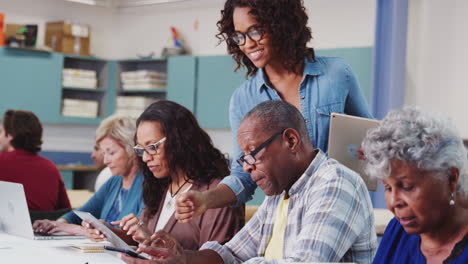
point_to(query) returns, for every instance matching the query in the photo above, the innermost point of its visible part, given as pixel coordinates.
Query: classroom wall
(123, 33)
(437, 60)
(334, 23)
(42, 11)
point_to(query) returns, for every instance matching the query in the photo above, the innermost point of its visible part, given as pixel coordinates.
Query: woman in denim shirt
(269, 38)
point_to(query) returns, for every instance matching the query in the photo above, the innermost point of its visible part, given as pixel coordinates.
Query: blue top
(328, 85)
(397, 246)
(100, 204)
(117, 207)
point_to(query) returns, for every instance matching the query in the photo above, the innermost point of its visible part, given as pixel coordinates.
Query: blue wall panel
(31, 81)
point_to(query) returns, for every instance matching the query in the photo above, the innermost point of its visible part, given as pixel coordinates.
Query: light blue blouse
(328, 85)
(100, 204)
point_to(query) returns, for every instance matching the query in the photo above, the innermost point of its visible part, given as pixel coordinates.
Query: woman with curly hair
(270, 39)
(176, 155)
(421, 161)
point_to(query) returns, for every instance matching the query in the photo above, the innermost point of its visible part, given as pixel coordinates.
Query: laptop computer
(345, 136)
(14, 214)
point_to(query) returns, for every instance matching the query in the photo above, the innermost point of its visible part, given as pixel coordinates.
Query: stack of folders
(80, 108)
(91, 247)
(78, 78)
(133, 105)
(143, 80)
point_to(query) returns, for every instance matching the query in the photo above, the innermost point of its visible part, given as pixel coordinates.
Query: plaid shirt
(330, 219)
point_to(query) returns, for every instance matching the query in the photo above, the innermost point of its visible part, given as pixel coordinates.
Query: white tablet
(110, 236)
(345, 137)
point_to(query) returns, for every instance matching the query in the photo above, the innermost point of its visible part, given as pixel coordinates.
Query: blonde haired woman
(121, 194)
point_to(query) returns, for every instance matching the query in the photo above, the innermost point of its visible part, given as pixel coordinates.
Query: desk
(79, 176)
(382, 218)
(21, 250)
(78, 197)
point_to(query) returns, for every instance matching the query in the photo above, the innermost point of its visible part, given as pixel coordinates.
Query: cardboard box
(68, 38)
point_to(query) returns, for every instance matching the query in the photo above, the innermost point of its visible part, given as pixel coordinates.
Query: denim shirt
(328, 85)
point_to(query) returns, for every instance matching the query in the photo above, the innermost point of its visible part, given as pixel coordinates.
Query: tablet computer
(345, 137)
(113, 238)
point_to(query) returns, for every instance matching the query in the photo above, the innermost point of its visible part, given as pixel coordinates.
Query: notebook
(14, 214)
(345, 137)
(91, 247)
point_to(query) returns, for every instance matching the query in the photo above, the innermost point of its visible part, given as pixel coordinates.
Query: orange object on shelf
(2, 34)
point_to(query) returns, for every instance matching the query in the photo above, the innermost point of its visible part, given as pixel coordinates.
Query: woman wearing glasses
(175, 156)
(270, 38)
(122, 193)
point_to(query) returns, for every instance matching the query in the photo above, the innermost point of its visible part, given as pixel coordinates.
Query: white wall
(42, 11)
(123, 33)
(437, 61)
(334, 23)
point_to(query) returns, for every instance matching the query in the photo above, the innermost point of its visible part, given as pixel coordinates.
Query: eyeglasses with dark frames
(250, 158)
(151, 149)
(255, 33)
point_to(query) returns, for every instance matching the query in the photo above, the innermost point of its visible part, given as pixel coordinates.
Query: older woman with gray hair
(421, 161)
(121, 194)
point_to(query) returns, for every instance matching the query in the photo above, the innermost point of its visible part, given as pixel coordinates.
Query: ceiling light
(91, 2)
(134, 3)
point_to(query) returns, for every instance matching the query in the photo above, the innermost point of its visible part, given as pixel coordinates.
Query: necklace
(169, 203)
(178, 190)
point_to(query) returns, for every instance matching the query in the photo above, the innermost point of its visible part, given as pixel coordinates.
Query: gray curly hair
(429, 142)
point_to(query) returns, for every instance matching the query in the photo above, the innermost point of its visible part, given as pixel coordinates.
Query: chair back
(50, 215)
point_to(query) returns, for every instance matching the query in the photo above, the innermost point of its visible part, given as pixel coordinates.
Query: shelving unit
(98, 95)
(134, 101)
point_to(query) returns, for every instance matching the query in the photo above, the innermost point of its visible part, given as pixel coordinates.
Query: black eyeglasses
(150, 149)
(255, 33)
(250, 158)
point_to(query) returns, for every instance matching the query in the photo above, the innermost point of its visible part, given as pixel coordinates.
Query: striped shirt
(330, 219)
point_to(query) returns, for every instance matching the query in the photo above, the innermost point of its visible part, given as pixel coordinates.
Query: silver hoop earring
(452, 200)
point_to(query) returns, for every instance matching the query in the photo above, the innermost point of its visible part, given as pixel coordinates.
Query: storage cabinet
(216, 81)
(30, 80)
(82, 99)
(139, 83)
(204, 84)
(181, 80)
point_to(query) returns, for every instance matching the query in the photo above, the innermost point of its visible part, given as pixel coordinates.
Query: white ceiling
(129, 3)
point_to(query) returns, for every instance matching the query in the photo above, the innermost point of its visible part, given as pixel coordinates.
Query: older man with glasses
(316, 209)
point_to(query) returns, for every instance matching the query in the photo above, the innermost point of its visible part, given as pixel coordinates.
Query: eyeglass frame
(241, 160)
(247, 34)
(147, 149)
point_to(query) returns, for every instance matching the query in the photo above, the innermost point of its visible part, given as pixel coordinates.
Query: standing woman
(270, 39)
(121, 194)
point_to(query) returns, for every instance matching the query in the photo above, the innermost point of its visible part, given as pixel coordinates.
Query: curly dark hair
(25, 128)
(187, 147)
(285, 21)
